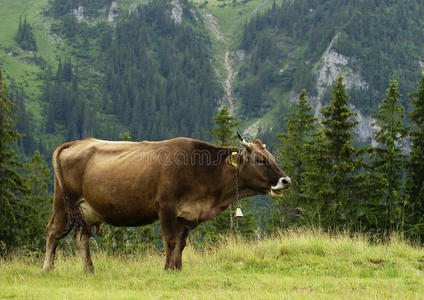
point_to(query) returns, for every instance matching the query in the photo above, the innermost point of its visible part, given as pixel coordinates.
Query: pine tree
(37, 176)
(27, 142)
(126, 136)
(389, 159)
(224, 132)
(67, 70)
(344, 185)
(25, 36)
(317, 209)
(293, 152)
(12, 184)
(415, 171)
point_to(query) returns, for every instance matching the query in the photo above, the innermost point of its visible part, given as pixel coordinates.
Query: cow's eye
(261, 160)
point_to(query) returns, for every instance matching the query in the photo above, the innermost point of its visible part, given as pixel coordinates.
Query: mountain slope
(307, 43)
(278, 49)
(261, 52)
(110, 67)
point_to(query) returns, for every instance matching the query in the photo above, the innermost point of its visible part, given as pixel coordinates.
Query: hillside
(254, 56)
(281, 48)
(112, 68)
(295, 265)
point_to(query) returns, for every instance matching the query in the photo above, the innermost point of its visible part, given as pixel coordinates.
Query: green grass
(18, 67)
(231, 19)
(293, 265)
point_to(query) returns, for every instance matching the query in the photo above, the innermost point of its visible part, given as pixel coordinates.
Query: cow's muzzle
(282, 184)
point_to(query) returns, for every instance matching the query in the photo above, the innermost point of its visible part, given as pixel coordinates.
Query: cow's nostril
(285, 181)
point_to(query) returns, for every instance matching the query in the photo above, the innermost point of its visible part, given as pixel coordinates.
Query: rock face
(331, 65)
(240, 55)
(176, 11)
(113, 12)
(78, 13)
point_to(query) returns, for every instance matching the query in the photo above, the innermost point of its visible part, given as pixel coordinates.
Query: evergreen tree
(224, 132)
(27, 143)
(415, 171)
(12, 183)
(317, 208)
(389, 160)
(37, 176)
(67, 70)
(338, 125)
(126, 136)
(301, 127)
(25, 37)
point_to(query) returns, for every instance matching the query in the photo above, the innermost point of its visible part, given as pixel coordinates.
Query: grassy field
(231, 19)
(293, 265)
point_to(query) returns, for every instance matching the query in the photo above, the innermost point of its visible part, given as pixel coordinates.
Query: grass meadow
(291, 265)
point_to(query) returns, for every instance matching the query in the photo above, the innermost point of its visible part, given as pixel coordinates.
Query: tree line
(24, 197)
(336, 185)
(340, 186)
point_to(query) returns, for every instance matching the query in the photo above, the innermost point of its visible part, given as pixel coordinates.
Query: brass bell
(239, 213)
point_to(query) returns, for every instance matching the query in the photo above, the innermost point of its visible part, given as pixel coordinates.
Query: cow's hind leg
(83, 244)
(168, 223)
(182, 233)
(56, 229)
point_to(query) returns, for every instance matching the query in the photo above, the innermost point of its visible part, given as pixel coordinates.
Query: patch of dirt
(282, 253)
(357, 263)
(376, 261)
(421, 264)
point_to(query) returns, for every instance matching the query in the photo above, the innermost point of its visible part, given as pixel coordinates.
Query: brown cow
(182, 182)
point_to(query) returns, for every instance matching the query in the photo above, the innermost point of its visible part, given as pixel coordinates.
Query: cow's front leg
(168, 223)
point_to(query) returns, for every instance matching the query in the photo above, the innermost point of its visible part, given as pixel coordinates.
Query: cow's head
(259, 170)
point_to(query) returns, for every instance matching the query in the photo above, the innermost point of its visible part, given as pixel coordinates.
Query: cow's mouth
(277, 192)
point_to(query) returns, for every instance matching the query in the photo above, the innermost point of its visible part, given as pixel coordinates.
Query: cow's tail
(75, 219)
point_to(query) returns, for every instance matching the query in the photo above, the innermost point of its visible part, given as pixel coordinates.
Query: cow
(181, 182)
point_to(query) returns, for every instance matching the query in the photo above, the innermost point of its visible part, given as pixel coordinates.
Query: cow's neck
(228, 193)
(227, 183)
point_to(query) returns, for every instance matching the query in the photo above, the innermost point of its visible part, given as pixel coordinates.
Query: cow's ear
(234, 159)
